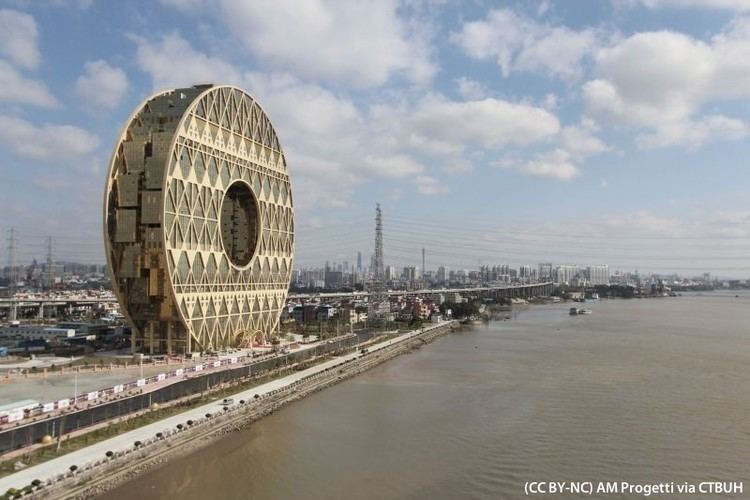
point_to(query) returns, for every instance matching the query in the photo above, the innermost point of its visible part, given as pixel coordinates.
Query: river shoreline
(642, 390)
(123, 466)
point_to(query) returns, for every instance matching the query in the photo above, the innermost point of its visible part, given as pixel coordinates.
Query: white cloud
(470, 89)
(185, 5)
(550, 102)
(52, 143)
(364, 43)
(313, 115)
(558, 52)
(102, 85)
(660, 81)
(429, 185)
(80, 4)
(520, 43)
(645, 222)
(333, 146)
(455, 135)
(557, 164)
(308, 118)
(16, 88)
(581, 143)
(172, 62)
(489, 123)
(738, 5)
(544, 7)
(395, 166)
(573, 146)
(695, 133)
(18, 38)
(652, 76)
(335, 141)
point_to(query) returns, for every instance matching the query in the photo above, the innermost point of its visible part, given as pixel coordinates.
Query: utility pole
(12, 277)
(59, 434)
(50, 265)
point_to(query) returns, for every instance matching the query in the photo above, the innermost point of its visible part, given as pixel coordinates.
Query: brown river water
(644, 391)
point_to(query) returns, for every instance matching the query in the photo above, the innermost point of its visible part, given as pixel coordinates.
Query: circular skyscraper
(199, 221)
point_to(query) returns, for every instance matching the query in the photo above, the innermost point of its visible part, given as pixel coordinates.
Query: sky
(579, 132)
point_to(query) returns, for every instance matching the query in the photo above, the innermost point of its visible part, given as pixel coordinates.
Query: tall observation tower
(378, 299)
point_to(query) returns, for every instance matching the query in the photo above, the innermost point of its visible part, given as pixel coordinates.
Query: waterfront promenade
(96, 452)
(156, 377)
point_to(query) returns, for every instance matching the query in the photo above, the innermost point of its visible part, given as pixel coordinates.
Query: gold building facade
(199, 222)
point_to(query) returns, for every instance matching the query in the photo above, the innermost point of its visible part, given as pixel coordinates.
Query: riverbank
(39, 453)
(137, 395)
(100, 467)
(640, 391)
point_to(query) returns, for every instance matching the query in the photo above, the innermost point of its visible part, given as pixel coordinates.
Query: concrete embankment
(92, 470)
(134, 398)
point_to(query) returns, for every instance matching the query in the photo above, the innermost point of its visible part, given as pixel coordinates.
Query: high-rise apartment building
(565, 274)
(442, 274)
(545, 271)
(599, 275)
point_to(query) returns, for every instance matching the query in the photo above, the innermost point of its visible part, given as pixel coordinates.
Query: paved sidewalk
(124, 441)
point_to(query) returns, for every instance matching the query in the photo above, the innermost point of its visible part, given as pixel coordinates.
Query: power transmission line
(50, 265)
(378, 300)
(13, 277)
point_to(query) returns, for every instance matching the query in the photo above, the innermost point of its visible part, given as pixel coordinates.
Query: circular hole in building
(240, 223)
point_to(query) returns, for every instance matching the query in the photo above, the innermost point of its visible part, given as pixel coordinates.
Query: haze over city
(536, 131)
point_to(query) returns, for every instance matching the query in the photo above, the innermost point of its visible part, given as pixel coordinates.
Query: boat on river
(575, 311)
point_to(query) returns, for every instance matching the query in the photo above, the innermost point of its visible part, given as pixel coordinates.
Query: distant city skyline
(481, 142)
(404, 259)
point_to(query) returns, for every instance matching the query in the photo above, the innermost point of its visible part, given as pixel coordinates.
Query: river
(653, 390)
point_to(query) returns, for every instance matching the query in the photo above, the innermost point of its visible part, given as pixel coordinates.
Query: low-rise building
(304, 313)
(33, 332)
(421, 310)
(348, 315)
(325, 312)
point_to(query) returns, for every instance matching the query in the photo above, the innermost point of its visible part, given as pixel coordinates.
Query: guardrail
(93, 397)
(210, 423)
(31, 429)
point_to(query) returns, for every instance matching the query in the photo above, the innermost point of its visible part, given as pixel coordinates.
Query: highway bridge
(497, 291)
(39, 307)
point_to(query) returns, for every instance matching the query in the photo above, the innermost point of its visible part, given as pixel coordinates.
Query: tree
(461, 310)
